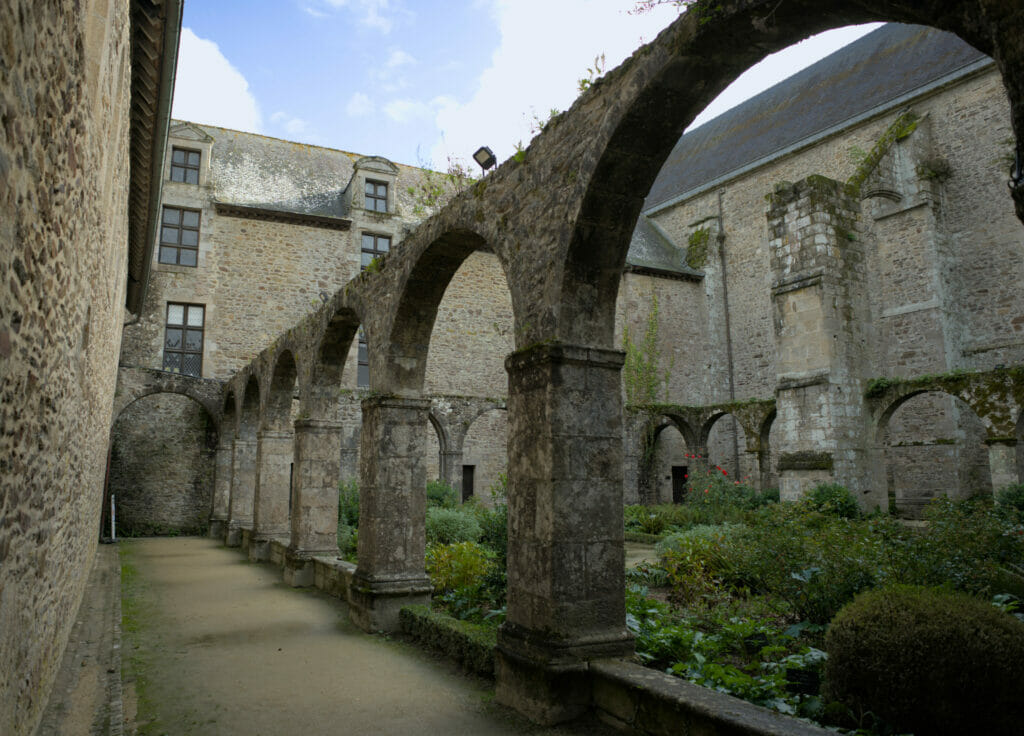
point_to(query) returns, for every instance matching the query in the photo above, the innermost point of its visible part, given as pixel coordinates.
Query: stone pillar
(243, 487)
(451, 469)
(1002, 462)
(314, 521)
(819, 298)
(566, 558)
(221, 491)
(392, 512)
(273, 491)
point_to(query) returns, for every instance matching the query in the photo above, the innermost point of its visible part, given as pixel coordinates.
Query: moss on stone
(470, 644)
(697, 248)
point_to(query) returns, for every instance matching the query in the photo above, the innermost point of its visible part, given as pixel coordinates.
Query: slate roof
(872, 72)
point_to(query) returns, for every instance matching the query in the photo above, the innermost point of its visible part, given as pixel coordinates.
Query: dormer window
(376, 196)
(185, 165)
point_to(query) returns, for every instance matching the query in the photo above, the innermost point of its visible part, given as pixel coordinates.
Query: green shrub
(1012, 498)
(458, 566)
(695, 561)
(348, 502)
(440, 495)
(494, 529)
(928, 661)
(832, 499)
(447, 526)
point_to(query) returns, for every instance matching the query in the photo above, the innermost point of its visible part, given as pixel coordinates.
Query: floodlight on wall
(485, 157)
(1016, 171)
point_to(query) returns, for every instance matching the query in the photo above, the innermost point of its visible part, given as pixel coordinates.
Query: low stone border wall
(334, 576)
(470, 645)
(637, 699)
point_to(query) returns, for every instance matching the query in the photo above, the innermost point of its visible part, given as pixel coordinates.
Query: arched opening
(437, 446)
(769, 453)
(244, 465)
(671, 465)
(340, 379)
(934, 446)
(484, 457)
(726, 449)
(162, 466)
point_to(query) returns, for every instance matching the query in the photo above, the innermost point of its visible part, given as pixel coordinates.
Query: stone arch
(650, 486)
(162, 464)
(248, 419)
(400, 366)
(330, 356)
(932, 444)
(724, 438)
(135, 383)
(666, 84)
(280, 392)
(768, 459)
(484, 448)
(438, 446)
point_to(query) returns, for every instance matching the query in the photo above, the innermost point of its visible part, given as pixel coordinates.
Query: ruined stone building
(836, 266)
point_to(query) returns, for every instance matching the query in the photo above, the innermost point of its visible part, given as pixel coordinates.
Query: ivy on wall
(642, 372)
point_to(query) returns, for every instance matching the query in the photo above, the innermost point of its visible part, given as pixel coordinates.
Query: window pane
(193, 339)
(191, 176)
(367, 242)
(169, 234)
(172, 338)
(171, 215)
(195, 316)
(365, 259)
(190, 218)
(175, 314)
(172, 361)
(363, 376)
(193, 158)
(381, 190)
(168, 255)
(190, 238)
(178, 156)
(190, 363)
(363, 355)
(382, 205)
(187, 257)
(384, 244)
(177, 174)
(370, 188)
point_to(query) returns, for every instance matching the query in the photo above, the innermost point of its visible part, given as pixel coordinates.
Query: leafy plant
(832, 499)
(448, 526)
(440, 494)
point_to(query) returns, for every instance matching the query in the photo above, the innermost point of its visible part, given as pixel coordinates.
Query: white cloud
(371, 12)
(292, 126)
(209, 89)
(546, 47)
(358, 105)
(406, 110)
(399, 58)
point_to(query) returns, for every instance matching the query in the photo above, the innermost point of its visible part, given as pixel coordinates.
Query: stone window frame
(375, 196)
(374, 250)
(186, 166)
(177, 246)
(181, 349)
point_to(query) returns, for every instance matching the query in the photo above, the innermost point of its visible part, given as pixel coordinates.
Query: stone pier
(221, 490)
(565, 550)
(273, 491)
(314, 520)
(392, 512)
(243, 486)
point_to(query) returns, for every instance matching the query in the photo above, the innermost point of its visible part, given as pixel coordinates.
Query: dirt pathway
(216, 645)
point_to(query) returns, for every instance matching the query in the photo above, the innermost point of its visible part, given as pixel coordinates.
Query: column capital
(561, 353)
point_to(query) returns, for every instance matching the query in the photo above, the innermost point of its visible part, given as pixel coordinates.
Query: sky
(420, 82)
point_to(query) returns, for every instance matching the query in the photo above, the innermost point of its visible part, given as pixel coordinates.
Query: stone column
(392, 512)
(221, 491)
(273, 491)
(820, 311)
(1002, 462)
(451, 470)
(243, 486)
(314, 521)
(566, 559)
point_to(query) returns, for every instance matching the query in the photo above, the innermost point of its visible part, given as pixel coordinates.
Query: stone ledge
(635, 698)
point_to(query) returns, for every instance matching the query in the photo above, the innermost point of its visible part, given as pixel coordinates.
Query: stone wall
(162, 466)
(64, 127)
(486, 449)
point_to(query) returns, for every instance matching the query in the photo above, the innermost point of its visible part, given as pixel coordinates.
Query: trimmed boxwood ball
(928, 661)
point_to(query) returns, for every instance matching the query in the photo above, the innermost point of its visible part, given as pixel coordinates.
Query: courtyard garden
(860, 622)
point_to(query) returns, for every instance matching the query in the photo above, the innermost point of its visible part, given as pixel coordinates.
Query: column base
(258, 548)
(374, 604)
(218, 528)
(548, 681)
(233, 534)
(299, 568)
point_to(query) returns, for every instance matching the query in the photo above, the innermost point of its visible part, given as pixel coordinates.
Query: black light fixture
(485, 157)
(1016, 171)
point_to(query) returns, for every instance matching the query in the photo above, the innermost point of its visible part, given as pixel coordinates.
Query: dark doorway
(467, 481)
(680, 476)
